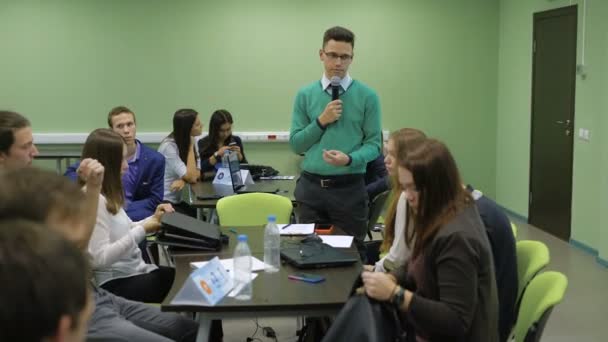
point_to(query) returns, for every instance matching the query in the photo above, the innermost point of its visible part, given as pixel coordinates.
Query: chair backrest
(532, 257)
(544, 292)
(514, 229)
(375, 208)
(252, 209)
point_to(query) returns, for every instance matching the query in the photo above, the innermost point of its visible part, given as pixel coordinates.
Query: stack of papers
(277, 177)
(337, 241)
(297, 229)
(256, 265)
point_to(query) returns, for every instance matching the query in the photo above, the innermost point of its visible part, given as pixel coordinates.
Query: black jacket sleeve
(455, 261)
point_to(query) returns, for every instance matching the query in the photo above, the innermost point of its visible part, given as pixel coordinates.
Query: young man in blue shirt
(143, 182)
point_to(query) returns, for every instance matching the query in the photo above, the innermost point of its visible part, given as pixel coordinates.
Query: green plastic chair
(253, 209)
(544, 292)
(532, 257)
(514, 229)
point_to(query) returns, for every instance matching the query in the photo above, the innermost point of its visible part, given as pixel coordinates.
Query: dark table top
(206, 188)
(58, 154)
(272, 292)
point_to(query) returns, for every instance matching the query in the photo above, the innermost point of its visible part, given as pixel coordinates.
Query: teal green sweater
(357, 132)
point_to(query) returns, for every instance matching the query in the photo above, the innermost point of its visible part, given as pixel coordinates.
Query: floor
(581, 317)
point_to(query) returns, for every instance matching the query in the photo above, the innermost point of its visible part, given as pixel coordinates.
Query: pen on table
(287, 225)
(233, 231)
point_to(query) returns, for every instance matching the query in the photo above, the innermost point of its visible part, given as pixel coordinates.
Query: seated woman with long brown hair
(117, 261)
(447, 291)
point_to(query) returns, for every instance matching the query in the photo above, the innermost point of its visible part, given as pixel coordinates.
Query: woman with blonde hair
(394, 251)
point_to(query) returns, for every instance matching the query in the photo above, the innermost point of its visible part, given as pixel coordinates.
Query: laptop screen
(235, 170)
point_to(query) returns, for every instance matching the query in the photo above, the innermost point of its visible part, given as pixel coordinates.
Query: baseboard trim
(510, 212)
(584, 247)
(602, 262)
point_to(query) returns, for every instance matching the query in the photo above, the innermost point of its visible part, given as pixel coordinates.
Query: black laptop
(316, 255)
(237, 182)
(183, 231)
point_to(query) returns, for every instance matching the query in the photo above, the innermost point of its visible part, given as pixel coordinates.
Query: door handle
(567, 122)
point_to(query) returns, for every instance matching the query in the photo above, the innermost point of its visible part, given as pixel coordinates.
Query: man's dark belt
(332, 181)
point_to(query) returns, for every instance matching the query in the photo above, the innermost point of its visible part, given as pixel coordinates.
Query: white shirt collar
(344, 83)
(476, 194)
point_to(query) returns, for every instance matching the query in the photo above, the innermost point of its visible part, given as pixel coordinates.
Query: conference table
(206, 188)
(274, 295)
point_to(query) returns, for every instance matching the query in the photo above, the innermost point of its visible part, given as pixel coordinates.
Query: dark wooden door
(553, 94)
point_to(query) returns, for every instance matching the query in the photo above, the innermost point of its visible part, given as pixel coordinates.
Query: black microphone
(335, 87)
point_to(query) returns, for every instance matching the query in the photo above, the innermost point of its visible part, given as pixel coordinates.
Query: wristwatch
(216, 156)
(398, 297)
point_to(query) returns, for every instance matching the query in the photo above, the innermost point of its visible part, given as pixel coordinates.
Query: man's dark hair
(339, 34)
(43, 277)
(9, 122)
(117, 111)
(34, 194)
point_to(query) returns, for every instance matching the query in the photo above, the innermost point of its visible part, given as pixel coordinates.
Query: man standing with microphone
(336, 124)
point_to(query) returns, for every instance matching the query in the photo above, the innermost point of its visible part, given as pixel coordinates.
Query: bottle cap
(272, 218)
(242, 238)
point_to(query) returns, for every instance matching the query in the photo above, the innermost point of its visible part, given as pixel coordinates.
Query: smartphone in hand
(307, 277)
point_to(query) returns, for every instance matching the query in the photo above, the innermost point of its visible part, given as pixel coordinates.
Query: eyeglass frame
(334, 56)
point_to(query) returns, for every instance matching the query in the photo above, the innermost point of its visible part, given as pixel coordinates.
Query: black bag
(258, 171)
(366, 319)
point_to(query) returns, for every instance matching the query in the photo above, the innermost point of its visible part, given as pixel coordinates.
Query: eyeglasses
(334, 56)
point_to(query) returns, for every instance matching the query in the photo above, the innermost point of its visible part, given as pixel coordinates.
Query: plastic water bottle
(242, 269)
(225, 158)
(272, 245)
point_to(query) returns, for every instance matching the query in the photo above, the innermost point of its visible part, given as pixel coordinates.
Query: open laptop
(316, 255)
(234, 165)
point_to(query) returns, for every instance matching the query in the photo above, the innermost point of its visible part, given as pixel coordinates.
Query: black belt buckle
(325, 183)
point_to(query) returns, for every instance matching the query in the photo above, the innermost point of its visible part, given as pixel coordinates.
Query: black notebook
(316, 255)
(183, 231)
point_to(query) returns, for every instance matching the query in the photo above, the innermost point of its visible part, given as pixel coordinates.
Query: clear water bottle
(242, 269)
(225, 158)
(272, 245)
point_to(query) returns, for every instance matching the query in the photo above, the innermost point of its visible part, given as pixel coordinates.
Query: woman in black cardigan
(213, 146)
(447, 291)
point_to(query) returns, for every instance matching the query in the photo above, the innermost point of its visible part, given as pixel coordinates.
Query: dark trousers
(148, 288)
(343, 204)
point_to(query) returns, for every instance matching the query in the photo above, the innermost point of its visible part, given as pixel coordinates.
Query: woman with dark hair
(117, 261)
(180, 158)
(219, 140)
(447, 290)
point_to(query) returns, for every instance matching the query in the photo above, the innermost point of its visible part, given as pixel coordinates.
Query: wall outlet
(584, 134)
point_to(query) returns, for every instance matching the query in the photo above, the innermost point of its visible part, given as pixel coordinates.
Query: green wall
(65, 63)
(589, 199)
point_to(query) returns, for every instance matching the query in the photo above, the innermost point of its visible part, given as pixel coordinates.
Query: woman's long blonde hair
(404, 140)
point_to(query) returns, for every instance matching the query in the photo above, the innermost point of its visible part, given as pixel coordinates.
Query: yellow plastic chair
(514, 229)
(532, 257)
(253, 209)
(544, 292)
